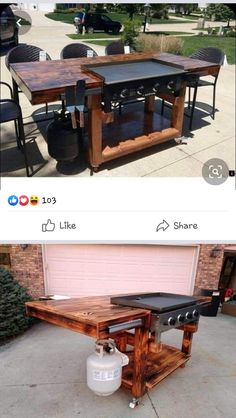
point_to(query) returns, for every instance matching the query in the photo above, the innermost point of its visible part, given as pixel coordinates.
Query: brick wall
(27, 268)
(209, 268)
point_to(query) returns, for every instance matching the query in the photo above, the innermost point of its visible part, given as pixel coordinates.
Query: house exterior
(79, 270)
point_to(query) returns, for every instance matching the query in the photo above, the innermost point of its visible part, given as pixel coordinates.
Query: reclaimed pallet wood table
(109, 137)
(149, 362)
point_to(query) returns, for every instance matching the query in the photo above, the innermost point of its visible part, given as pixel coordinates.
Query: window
(5, 260)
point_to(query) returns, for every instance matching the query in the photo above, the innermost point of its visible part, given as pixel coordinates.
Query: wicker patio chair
(11, 111)
(24, 53)
(116, 47)
(76, 50)
(213, 55)
(216, 56)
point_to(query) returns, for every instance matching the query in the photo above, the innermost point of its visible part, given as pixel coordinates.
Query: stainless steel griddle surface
(158, 302)
(135, 70)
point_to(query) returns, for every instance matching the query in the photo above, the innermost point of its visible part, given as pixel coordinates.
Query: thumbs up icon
(49, 226)
(13, 200)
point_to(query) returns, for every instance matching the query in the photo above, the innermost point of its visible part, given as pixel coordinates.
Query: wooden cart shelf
(134, 129)
(159, 366)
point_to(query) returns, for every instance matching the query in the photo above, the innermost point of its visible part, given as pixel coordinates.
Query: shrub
(230, 33)
(13, 319)
(160, 14)
(66, 11)
(159, 43)
(130, 32)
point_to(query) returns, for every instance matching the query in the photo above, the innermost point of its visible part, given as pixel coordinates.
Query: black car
(8, 27)
(97, 21)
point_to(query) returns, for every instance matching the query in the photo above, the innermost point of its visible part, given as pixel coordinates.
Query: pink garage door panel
(89, 270)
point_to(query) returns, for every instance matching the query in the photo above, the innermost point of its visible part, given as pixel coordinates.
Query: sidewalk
(43, 375)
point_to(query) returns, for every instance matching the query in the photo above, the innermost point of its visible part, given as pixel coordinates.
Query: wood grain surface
(90, 316)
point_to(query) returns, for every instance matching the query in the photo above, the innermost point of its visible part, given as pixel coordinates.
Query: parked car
(8, 27)
(97, 21)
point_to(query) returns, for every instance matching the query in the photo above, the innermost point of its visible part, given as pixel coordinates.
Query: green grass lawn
(188, 17)
(102, 43)
(120, 17)
(96, 35)
(61, 17)
(192, 43)
(99, 35)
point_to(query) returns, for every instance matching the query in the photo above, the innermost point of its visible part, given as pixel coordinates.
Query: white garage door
(89, 270)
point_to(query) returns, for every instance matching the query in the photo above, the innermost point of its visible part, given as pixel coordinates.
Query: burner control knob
(195, 313)
(124, 93)
(181, 318)
(170, 85)
(171, 321)
(188, 315)
(156, 87)
(140, 90)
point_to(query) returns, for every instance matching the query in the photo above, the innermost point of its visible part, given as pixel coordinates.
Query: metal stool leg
(17, 135)
(23, 143)
(162, 107)
(193, 107)
(189, 97)
(214, 101)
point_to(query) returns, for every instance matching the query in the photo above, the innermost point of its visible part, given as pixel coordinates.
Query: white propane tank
(104, 368)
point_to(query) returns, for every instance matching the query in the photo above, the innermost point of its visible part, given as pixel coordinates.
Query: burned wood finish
(150, 362)
(189, 330)
(140, 360)
(44, 82)
(160, 360)
(89, 316)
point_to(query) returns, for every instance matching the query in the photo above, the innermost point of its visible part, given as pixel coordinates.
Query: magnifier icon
(215, 171)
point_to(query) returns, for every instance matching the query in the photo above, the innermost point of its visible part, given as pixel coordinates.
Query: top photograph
(116, 90)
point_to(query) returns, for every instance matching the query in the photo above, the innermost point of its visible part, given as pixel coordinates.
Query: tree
(130, 32)
(13, 319)
(220, 12)
(160, 11)
(185, 8)
(131, 9)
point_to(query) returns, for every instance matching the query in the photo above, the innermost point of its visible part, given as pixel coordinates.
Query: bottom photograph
(117, 330)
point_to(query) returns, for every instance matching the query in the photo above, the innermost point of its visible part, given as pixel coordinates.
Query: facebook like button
(13, 200)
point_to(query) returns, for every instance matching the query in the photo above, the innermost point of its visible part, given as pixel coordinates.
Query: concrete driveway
(43, 376)
(208, 139)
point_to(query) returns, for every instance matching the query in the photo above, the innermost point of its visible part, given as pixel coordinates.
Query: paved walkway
(209, 138)
(43, 375)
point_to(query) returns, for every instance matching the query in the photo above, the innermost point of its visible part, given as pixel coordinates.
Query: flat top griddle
(158, 302)
(118, 72)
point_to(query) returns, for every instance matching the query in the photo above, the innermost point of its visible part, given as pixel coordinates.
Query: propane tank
(63, 141)
(104, 368)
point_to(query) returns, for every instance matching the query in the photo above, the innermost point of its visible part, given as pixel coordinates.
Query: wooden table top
(46, 80)
(90, 316)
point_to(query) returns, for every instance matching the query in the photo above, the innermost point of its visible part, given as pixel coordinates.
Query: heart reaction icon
(23, 200)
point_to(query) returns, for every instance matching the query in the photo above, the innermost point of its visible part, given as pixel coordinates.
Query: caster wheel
(133, 403)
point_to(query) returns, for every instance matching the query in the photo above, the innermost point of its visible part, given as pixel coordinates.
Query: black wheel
(115, 31)
(89, 29)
